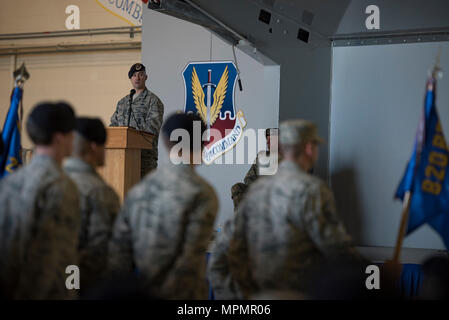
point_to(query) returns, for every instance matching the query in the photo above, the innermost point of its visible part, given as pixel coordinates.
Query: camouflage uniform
(163, 231)
(40, 220)
(238, 190)
(99, 205)
(218, 274)
(283, 227)
(253, 172)
(148, 112)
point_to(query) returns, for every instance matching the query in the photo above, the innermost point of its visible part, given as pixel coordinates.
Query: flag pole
(436, 72)
(402, 226)
(408, 196)
(21, 75)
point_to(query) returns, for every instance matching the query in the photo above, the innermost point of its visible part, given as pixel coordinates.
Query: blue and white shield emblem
(209, 92)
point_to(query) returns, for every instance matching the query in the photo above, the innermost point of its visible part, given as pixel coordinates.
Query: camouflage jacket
(253, 173)
(147, 114)
(40, 220)
(163, 232)
(218, 273)
(281, 230)
(238, 190)
(99, 206)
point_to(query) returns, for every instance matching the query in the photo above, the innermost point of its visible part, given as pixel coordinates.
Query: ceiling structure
(285, 22)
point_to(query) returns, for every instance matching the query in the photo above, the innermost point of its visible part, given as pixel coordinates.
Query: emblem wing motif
(219, 96)
(198, 96)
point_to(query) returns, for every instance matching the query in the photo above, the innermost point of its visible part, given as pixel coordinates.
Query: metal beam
(220, 23)
(396, 37)
(190, 11)
(66, 48)
(72, 33)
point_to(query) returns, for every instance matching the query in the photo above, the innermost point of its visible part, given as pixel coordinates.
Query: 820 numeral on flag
(436, 167)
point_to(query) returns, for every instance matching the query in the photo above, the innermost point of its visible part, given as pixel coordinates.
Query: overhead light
(303, 35)
(265, 16)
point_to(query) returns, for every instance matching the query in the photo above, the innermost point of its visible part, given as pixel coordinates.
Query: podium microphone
(131, 94)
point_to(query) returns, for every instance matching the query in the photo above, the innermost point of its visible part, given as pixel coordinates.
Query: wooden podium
(122, 157)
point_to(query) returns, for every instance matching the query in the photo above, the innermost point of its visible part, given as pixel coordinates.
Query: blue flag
(11, 158)
(426, 176)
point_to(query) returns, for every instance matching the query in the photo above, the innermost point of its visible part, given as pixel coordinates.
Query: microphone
(131, 94)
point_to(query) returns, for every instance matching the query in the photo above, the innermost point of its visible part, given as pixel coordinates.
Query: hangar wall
(92, 81)
(168, 45)
(377, 101)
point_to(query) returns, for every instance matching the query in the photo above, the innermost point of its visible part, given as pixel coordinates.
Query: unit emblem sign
(209, 92)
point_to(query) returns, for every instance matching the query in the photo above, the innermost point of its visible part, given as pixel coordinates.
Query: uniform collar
(181, 168)
(74, 164)
(42, 160)
(287, 165)
(142, 95)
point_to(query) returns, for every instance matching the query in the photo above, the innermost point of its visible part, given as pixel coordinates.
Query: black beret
(53, 117)
(91, 129)
(135, 68)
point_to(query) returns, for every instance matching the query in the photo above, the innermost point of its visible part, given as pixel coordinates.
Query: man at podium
(141, 109)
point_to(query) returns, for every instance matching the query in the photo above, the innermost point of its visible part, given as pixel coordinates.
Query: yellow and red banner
(130, 11)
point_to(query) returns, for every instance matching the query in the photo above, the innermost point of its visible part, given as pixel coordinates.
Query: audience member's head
(89, 141)
(299, 142)
(183, 137)
(435, 285)
(50, 127)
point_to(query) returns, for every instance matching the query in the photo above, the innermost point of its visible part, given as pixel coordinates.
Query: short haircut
(48, 118)
(92, 129)
(80, 145)
(185, 122)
